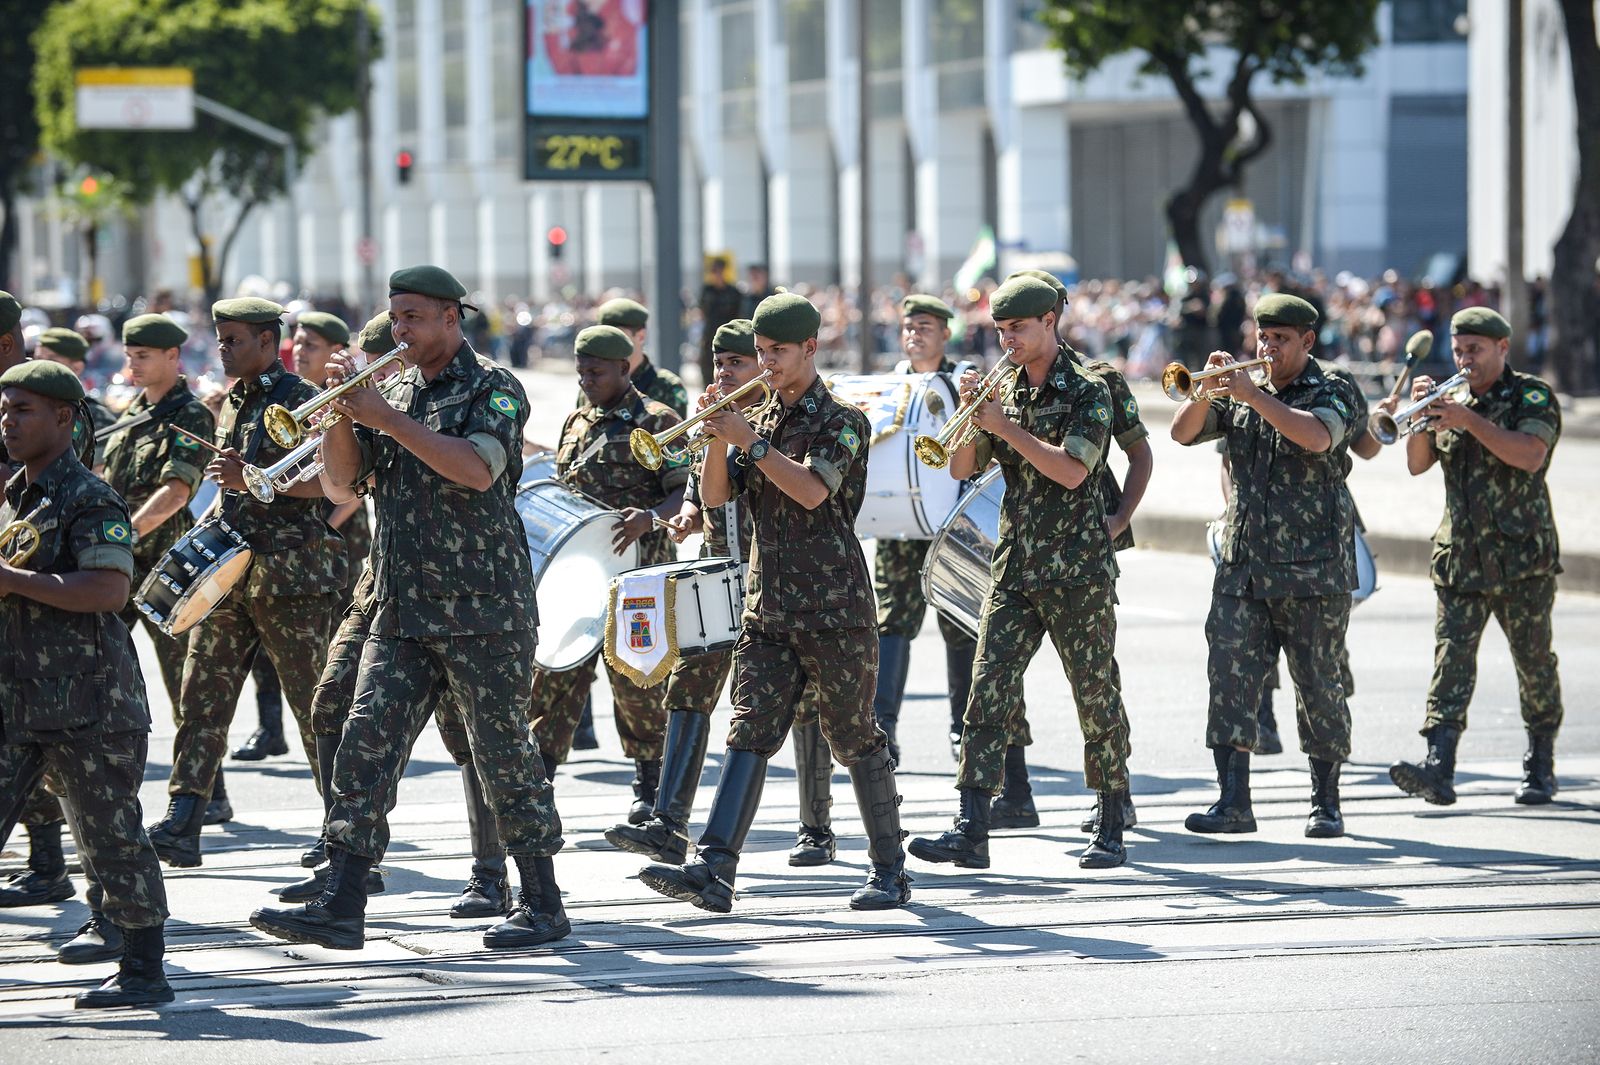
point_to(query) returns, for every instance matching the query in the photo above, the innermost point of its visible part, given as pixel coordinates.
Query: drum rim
(979, 485)
(167, 622)
(570, 531)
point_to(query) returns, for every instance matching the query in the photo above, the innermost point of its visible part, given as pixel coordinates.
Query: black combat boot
(487, 893)
(327, 749)
(1105, 849)
(894, 665)
(1325, 821)
(813, 771)
(646, 780)
(1231, 812)
(46, 880)
(176, 837)
(967, 844)
(665, 837)
(267, 740)
(583, 737)
(878, 798)
(141, 979)
(1267, 739)
(336, 918)
(538, 916)
(98, 939)
(1014, 808)
(551, 764)
(1434, 778)
(1130, 816)
(314, 885)
(1538, 772)
(219, 811)
(707, 881)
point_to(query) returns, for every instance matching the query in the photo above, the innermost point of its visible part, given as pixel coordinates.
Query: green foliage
(283, 62)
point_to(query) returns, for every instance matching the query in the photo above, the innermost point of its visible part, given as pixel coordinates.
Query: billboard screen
(588, 59)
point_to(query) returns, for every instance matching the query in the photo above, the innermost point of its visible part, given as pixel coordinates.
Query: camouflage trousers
(557, 700)
(1522, 609)
(100, 778)
(897, 585)
(1081, 621)
(291, 629)
(399, 683)
(696, 684)
(1244, 635)
(777, 674)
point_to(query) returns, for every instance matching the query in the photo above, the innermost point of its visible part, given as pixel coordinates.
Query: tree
(88, 203)
(1284, 39)
(1577, 250)
(283, 62)
(19, 130)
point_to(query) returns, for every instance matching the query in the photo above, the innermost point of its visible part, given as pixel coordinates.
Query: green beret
(624, 314)
(1022, 297)
(329, 327)
(787, 318)
(248, 309)
(918, 303)
(377, 336)
(1481, 322)
(10, 312)
(1047, 277)
(604, 342)
(433, 281)
(64, 342)
(1278, 308)
(153, 331)
(736, 336)
(45, 378)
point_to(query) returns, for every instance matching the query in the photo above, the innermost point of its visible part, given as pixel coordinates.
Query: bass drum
(194, 576)
(955, 577)
(539, 466)
(905, 500)
(569, 539)
(1366, 565)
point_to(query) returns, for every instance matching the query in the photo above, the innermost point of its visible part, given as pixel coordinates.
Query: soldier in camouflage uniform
(72, 700)
(1287, 563)
(282, 604)
(808, 616)
(595, 460)
(1495, 553)
(1053, 572)
(453, 614)
(70, 349)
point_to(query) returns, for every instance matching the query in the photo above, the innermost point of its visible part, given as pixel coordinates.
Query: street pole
(291, 166)
(666, 161)
(864, 183)
(1515, 297)
(369, 284)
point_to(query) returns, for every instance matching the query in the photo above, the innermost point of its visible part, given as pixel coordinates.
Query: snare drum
(569, 539)
(905, 500)
(955, 577)
(194, 576)
(662, 614)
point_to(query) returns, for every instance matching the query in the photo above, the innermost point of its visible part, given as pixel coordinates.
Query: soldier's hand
(227, 469)
(1421, 385)
(365, 405)
(988, 416)
(9, 575)
(729, 426)
(680, 527)
(970, 380)
(1448, 414)
(633, 524)
(1116, 524)
(342, 365)
(1388, 404)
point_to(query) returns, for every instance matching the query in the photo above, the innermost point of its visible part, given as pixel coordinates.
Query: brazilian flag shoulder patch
(1101, 414)
(850, 439)
(116, 532)
(1132, 407)
(504, 403)
(1338, 405)
(185, 440)
(1537, 397)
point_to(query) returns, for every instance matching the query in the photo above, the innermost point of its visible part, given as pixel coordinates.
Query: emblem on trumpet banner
(639, 637)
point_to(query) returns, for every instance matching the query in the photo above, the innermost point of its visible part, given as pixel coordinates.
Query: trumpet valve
(647, 450)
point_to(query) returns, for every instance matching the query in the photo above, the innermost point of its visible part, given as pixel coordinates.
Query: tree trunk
(1183, 218)
(208, 285)
(227, 242)
(10, 274)
(1573, 279)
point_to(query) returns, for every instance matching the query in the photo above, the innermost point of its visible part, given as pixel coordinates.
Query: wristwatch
(758, 450)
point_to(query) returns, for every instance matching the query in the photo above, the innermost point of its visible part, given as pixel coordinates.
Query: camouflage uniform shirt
(66, 675)
(140, 460)
(806, 567)
(1127, 429)
(1290, 518)
(1497, 526)
(448, 560)
(1051, 534)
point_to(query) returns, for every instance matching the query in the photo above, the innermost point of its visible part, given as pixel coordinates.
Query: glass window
(806, 32)
(402, 52)
(957, 30)
(738, 49)
(505, 52)
(1424, 21)
(883, 35)
(454, 69)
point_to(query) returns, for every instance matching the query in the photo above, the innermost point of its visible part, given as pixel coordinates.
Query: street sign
(127, 98)
(1239, 226)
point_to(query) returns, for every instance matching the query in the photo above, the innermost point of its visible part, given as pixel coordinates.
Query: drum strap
(730, 520)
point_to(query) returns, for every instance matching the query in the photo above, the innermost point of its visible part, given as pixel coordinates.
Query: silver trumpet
(292, 469)
(1386, 428)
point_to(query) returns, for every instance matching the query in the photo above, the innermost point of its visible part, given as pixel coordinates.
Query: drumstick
(208, 445)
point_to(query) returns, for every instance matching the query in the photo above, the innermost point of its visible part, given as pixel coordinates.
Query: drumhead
(956, 575)
(1366, 570)
(905, 500)
(209, 589)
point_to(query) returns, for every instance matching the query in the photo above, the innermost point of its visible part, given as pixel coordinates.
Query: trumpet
(652, 450)
(21, 538)
(1180, 383)
(960, 431)
(1386, 428)
(288, 427)
(265, 484)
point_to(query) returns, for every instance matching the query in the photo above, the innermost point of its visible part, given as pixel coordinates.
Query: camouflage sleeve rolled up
(494, 424)
(1536, 412)
(186, 461)
(840, 445)
(101, 536)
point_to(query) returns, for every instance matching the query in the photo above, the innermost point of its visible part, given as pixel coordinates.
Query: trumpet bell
(647, 450)
(260, 485)
(1384, 429)
(281, 426)
(930, 452)
(1176, 381)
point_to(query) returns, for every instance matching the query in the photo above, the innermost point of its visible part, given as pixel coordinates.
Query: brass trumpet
(1386, 428)
(960, 431)
(1179, 382)
(652, 450)
(265, 484)
(21, 538)
(288, 427)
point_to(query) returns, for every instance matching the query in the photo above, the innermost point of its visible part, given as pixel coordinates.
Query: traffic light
(89, 185)
(402, 165)
(558, 239)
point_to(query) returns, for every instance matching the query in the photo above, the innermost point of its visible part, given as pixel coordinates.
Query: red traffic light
(402, 159)
(557, 236)
(89, 186)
